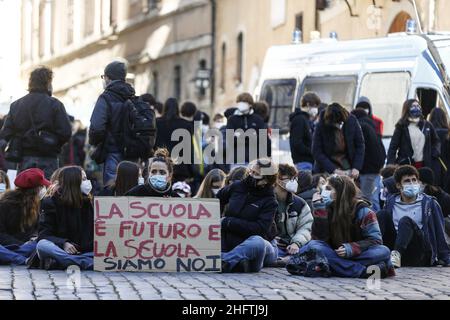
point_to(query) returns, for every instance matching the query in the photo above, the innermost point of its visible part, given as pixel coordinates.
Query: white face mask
(104, 84)
(215, 191)
(181, 194)
(292, 186)
(313, 112)
(219, 125)
(42, 193)
(86, 187)
(141, 181)
(2, 187)
(243, 107)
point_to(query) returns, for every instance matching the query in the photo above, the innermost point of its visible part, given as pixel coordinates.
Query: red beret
(31, 178)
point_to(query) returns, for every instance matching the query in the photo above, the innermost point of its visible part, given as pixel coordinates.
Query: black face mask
(253, 183)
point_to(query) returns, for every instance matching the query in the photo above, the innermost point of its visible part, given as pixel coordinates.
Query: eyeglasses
(103, 77)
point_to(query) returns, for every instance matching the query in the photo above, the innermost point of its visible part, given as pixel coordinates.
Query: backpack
(312, 264)
(138, 129)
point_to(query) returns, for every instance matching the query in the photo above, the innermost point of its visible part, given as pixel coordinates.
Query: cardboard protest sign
(157, 235)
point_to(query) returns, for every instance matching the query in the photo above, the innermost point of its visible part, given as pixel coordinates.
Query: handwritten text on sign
(157, 235)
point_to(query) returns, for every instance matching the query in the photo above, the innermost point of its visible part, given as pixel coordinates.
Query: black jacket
(10, 231)
(442, 178)
(246, 122)
(324, 145)
(108, 191)
(60, 223)
(146, 190)
(300, 137)
(375, 154)
(248, 212)
(400, 149)
(47, 113)
(106, 120)
(442, 197)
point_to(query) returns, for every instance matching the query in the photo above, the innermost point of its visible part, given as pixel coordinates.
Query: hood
(298, 112)
(360, 114)
(364, 102)
(390, 185)
(121, 88)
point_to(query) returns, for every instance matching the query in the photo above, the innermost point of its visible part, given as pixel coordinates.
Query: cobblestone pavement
(273, 284)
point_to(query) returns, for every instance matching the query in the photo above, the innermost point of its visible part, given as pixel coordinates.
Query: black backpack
(312, 264)
(139, 129)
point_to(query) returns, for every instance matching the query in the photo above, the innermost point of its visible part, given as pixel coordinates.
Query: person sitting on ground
(412, 224)
(306, 187)
(127, 178)
(248, 225)
(19, 215)
(346, 231)
(320, 180)
(387, 183)
(426, 176)
(4, 182)
(211, 185)
(294, 219)
(66, 225)
(159, 182)
(182, 189)
(236, 174)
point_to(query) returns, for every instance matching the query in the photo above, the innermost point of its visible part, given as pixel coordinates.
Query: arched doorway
(399, 23)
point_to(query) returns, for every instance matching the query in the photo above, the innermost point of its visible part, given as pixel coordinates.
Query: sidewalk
(274, 284)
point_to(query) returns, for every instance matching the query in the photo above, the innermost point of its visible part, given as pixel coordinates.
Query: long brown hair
(69, 186)
(343, 209)
(28, 200)
(404, 120)
(127, 177)
(335, 113)
(205, 190)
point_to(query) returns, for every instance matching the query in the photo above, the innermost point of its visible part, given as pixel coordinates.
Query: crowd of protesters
(345, 205)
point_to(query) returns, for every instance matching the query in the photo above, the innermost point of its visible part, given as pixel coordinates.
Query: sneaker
(384, 272)
(396, 259)
(51, 264)
(242, 267)
(279, 263)
(33, 261)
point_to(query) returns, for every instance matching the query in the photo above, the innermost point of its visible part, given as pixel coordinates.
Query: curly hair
(40, 79)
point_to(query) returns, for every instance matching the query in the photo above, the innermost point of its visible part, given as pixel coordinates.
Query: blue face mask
(326, 197)
(411, 190)
(158, 182)
(415, 112)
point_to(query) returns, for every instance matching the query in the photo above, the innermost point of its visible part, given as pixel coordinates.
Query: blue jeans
(376, 196)
(15, 254)
(110, 167)
(256, 250)
(47, 249)
(304, 166)
(351, 267)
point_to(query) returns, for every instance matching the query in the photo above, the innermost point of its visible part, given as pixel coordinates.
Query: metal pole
(213, 50)
(417, 16)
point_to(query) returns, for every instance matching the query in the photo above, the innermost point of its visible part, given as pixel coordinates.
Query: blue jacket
(433, 227)
(324, 145)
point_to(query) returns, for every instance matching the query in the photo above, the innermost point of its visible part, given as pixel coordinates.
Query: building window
(240, 58)
(299, 23)
(223, 66)
(89, 17)
(70, 21)
(155, 84)
(177, 82)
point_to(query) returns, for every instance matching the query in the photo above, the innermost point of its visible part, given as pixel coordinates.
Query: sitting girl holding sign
(66, 226)
(159, 183)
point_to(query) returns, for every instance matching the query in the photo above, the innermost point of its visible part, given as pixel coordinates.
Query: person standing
(415, 141)
(301, 131)
(338, 144)
(37, 126)
(117, 140)
(374, 159)
(365, 104)
(438, 118)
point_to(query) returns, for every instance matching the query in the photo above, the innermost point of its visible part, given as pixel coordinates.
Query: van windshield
(444, 51)
(279, 94)
(387, 93)
(331, 89)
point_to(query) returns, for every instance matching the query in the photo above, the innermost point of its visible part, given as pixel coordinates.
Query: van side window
(387, 92)
(279, 94)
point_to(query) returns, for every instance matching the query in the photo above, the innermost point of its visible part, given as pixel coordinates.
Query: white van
(386, 70)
